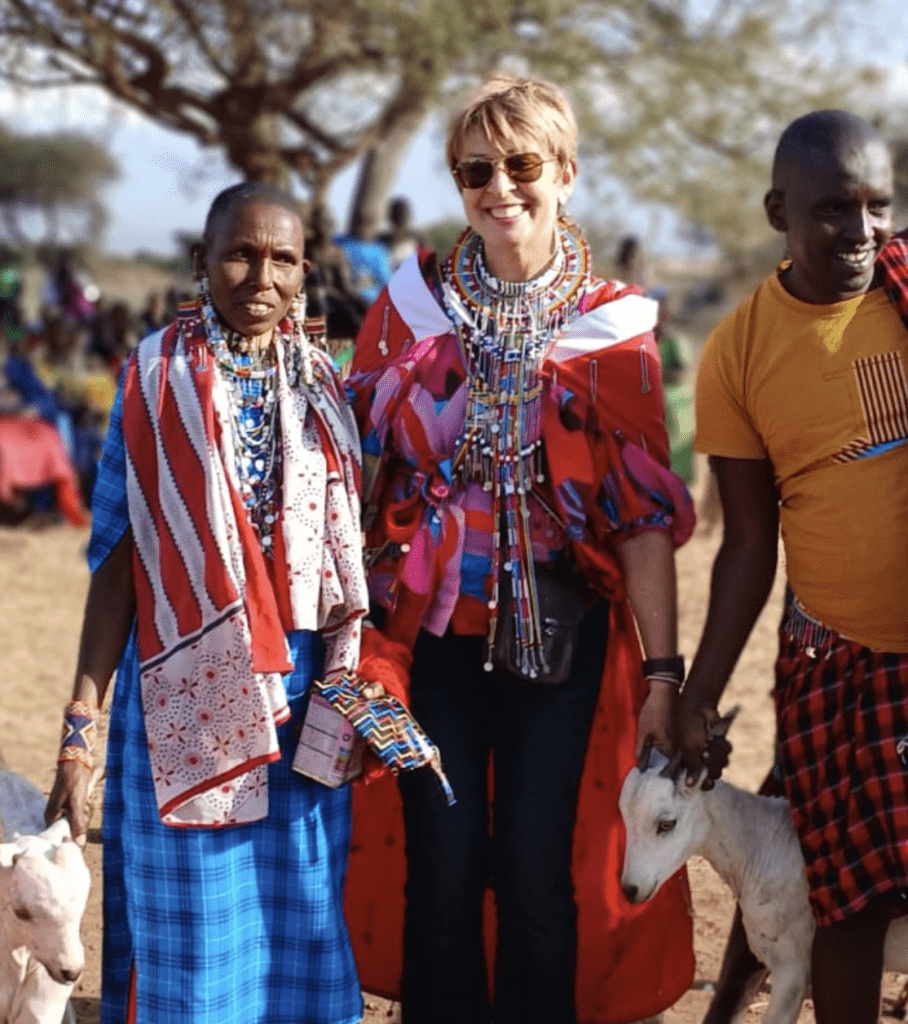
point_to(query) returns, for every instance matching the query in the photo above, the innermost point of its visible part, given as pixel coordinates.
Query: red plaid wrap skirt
(842, 714)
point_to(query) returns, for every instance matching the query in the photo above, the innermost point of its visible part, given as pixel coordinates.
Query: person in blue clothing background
(370, 263)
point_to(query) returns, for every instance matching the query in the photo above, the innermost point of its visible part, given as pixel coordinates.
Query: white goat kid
(44, 884)
(751, 842)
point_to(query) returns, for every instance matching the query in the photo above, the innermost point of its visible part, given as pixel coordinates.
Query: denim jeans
(519, 842)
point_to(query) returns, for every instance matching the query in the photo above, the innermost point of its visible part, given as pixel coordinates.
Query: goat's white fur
(44, 885)
(751, 842)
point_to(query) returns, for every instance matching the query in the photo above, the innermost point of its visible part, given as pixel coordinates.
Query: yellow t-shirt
(821, 392)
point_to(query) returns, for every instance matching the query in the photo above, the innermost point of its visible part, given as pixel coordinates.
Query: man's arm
(742, 577)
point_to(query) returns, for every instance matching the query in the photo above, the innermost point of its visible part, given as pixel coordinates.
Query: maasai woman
(515, 449)
(225, 552)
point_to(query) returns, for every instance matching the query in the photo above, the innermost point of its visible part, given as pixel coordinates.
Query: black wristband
(673, 667)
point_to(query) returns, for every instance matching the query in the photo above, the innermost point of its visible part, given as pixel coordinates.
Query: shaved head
(247, 192)
(832, 197)
(819, 136)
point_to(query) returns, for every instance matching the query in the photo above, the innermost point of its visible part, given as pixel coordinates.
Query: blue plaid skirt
(239, 925)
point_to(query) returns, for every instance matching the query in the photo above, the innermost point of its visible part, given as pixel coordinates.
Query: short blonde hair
(510, 110)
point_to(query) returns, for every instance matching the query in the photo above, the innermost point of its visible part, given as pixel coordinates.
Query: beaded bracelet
(666, 670)
(79, 732)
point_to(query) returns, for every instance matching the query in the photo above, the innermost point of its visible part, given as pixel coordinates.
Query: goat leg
(742, 973)
(740, 978)
(789, 986)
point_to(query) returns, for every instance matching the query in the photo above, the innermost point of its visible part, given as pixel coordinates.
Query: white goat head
(44, 885)
(664, 819)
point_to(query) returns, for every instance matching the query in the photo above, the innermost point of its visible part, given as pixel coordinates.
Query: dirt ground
(43, 580)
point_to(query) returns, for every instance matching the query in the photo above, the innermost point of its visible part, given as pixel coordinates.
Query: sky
(167, 181)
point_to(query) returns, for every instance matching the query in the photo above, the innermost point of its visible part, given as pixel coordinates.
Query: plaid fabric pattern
(894, 261)
(240, 925)
(842, 718)
(110, 512)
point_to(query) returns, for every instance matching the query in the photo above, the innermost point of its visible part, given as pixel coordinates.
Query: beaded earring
(297, 313)
(298, 308)
(200, 274)
(202, 286)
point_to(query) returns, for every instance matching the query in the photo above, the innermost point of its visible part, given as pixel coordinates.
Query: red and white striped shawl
(211, 644)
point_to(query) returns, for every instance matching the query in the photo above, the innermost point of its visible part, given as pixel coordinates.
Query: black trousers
(519, 841)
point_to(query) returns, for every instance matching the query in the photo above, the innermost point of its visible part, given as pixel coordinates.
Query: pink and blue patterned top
(603, 472)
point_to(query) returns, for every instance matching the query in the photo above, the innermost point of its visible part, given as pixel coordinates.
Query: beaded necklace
(252, 401)
(506, 329)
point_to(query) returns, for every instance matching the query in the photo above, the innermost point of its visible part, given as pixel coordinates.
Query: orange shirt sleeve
(724, 426)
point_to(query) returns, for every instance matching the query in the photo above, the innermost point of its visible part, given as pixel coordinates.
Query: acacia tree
(54, 179)
(305, 87)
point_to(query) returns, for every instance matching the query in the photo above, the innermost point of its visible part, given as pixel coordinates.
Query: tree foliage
(678, 98)
(53, 180)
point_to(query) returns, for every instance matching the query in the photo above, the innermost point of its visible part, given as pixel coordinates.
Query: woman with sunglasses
(514, 448)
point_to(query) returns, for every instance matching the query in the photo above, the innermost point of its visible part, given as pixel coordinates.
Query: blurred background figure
(330, 290)
(72, 391)
(630, 262)
(32, 459)
(401, 239)
(677, 386)
(68, 290)
(370, 263)
(155, 314)
(10, 290)
(114, 334)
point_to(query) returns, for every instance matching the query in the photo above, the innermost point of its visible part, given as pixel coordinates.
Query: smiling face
(254, 258)
(515, 220)
(836, 210)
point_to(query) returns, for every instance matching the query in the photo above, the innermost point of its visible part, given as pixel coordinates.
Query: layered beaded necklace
(506, 329)
(254, 409)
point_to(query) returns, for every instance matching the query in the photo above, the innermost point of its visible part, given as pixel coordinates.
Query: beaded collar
(506, 329)
(479, 294)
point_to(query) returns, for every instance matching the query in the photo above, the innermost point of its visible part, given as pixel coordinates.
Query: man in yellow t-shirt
(802, 406)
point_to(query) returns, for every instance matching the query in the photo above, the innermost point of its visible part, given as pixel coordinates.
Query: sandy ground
(43, 580)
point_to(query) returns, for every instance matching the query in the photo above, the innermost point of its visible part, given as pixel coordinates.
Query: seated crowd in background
(58, 380)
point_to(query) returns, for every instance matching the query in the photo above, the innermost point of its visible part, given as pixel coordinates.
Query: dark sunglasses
(519, 167)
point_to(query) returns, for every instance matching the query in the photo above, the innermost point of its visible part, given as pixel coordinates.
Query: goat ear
(673, 769)
(9, 854)
(721, 725)
(643, 760)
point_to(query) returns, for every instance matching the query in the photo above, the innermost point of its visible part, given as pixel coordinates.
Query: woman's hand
(69, 799)
(657, 717)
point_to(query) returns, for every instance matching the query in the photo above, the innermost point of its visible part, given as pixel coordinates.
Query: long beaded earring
(298, 320)
(206, 310)
(200, 275)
